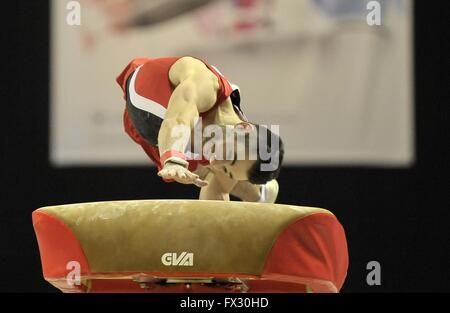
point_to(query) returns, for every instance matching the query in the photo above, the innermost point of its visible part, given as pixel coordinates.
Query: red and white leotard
(150, 90)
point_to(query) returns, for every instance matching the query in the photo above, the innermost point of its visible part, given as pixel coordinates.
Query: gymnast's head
(247, 152)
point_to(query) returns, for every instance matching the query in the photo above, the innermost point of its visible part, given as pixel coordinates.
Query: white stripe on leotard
(143, 103)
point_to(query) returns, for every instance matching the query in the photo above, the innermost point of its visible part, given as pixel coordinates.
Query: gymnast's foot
(269, 192)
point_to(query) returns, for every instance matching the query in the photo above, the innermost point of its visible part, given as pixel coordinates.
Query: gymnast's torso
(147, 90)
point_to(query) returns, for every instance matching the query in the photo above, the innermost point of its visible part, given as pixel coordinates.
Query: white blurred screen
(340, 90)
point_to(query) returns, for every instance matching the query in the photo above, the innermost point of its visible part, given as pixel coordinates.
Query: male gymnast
(170, 100)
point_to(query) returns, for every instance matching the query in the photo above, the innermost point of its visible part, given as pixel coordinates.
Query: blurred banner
(340, 89)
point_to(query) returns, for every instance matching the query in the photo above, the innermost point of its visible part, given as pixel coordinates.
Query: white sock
(262, 191)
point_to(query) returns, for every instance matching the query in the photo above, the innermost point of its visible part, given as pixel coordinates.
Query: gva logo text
(172, 259)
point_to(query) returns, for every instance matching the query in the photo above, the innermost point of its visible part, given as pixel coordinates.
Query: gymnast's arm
(195, 92)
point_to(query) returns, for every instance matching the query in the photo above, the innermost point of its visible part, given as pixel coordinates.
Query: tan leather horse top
(133, 236)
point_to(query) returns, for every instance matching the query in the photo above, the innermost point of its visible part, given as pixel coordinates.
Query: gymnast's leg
(249, 192)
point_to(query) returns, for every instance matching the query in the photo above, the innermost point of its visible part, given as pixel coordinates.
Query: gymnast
(187, 117)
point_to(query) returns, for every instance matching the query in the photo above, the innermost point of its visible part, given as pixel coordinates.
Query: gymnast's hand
(180, 174)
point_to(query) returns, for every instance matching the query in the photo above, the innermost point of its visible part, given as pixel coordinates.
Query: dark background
(398, 217)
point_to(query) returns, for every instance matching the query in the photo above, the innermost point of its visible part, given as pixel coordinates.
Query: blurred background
(358, 107)
(339, 88)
